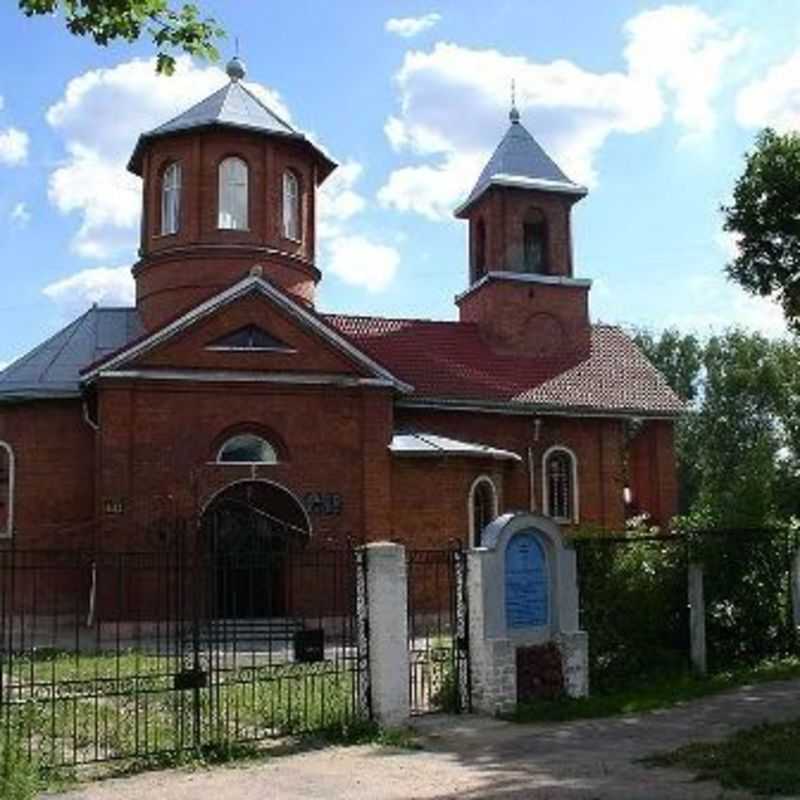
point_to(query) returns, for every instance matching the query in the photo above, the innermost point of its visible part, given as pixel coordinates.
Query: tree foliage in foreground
(169, 27)
(765, 219)
(738, 448)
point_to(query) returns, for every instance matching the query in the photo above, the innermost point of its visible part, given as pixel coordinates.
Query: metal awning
(432, 445)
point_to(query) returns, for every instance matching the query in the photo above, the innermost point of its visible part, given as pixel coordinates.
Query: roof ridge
(187, 110)
(267, 108)
(401, 319)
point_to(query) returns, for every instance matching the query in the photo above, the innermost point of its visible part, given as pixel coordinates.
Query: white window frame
(233, 194)
(473, 489)
(8, 531)
(171, 187)
(246, 463)
(560, 448)
(291, 206)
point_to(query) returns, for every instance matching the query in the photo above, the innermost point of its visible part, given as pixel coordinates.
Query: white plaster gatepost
(387, 601)
(523, 590)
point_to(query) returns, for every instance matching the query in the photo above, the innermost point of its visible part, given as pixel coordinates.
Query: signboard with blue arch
(527, 582)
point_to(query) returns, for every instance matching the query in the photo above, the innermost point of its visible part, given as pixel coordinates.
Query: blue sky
(651, 104)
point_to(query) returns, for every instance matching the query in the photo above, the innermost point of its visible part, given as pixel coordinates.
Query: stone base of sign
(574, 648)
(494, 676)
(493, 645)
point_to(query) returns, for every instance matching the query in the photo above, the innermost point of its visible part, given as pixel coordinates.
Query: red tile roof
(450, 361)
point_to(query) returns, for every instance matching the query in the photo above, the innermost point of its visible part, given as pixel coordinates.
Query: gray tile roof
(232, 106)
(53, 368)
(519, 159)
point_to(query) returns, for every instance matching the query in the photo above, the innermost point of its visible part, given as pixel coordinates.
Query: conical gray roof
(232, 106)
(519, 160)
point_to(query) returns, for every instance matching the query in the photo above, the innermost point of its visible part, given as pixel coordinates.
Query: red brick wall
(179, 270)
(54, 454)
(158, 442)
(597, 444)
(654, 482)
(530, 318)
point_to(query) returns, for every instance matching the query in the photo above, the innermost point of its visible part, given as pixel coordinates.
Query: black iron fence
(109, 656)
(438, 624)
(635, 606)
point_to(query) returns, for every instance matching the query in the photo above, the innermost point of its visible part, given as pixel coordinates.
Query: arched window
(482, 507)
(534, 243)
(171, 199)
(560, 490)
(247, 448)
(480, 249)
(291, 206)
(233, 194)
(6, 490)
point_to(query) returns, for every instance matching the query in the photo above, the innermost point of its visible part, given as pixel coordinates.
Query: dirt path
(470, 757)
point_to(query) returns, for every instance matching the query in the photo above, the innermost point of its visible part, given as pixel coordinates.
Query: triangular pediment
(252, 330)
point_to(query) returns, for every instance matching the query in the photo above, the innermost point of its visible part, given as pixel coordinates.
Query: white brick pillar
(387, 608)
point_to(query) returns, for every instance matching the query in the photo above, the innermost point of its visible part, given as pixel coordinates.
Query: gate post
(387, 601)
(697, 618)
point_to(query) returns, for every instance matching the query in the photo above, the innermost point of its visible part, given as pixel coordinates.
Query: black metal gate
(438, 631)
(107, 656)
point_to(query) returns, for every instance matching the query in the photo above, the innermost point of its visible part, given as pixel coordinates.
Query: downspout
(537, 429)
(87, 417)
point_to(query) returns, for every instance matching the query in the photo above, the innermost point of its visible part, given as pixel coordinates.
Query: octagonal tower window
(171, 199)
(291, 206)
(233, 194)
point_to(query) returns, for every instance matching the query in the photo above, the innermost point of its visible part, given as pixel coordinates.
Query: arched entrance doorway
(251, 529)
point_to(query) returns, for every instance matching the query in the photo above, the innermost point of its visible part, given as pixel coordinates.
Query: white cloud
(13, 147)
(108, 286)
(352, 256)
(721, 304)
(100, 116)
(685, 51)
(453, 102)
(411, 26)
(337, 199)
(20, 215)
(359, 261)
(772, 100)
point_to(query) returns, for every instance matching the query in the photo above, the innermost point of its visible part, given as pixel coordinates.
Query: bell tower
(227, 185)
(522, 292)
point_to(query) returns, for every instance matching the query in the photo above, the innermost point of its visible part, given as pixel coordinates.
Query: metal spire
(513, 115)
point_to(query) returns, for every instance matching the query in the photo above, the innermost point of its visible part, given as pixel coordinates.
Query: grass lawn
(67, 711)
(655, 692)
(764, 760)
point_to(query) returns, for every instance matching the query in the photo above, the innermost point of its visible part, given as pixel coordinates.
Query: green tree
(765, 218)
(738, 445)
(170, 27)
(679, 358)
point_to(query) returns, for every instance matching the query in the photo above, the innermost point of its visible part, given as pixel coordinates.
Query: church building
(225, 386)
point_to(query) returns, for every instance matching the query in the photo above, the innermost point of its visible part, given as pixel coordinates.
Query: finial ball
(236, 69)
